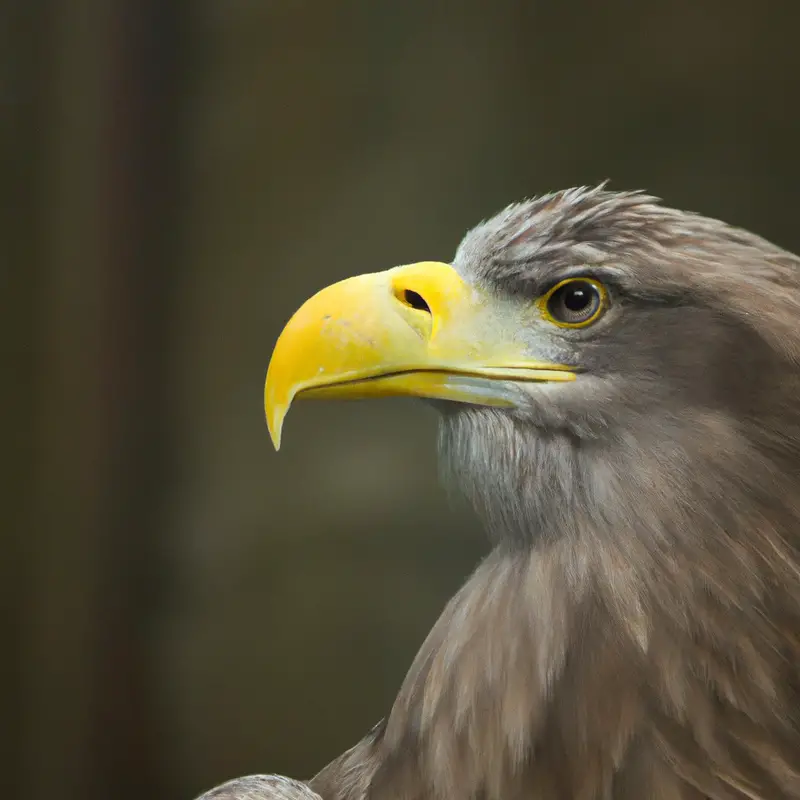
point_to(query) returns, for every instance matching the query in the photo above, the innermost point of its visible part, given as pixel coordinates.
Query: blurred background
(180, 604)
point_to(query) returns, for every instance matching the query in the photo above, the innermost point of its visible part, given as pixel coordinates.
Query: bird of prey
(619, 388)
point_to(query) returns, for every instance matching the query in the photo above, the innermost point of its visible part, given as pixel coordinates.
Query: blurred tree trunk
(19, 96)
(104, 191)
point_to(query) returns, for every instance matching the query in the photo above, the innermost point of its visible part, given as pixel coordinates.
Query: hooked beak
(416, 330)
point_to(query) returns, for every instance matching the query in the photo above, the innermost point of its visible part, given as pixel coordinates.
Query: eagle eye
(575, 302)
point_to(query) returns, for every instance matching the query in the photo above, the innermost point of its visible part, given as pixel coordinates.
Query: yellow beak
(415, 330)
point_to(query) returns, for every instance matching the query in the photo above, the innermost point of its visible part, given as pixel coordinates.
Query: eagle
(619, 393)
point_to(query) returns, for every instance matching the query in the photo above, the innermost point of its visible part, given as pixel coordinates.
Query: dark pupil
(577, 299)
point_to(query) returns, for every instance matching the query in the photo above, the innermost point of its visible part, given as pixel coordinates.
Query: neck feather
(631, 601)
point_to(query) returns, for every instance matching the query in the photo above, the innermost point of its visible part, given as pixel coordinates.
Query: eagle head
(587, 350)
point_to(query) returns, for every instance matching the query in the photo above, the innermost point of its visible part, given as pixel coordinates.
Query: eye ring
(574, 303)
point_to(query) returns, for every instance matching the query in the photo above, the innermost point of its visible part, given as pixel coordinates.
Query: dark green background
(181, 604)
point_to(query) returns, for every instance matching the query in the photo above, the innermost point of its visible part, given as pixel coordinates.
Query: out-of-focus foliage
(183, 604)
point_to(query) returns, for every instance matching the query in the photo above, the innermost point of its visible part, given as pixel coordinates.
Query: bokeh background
(180, 604)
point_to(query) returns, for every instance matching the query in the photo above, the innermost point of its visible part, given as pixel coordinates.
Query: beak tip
(275, 412)
(275, 426)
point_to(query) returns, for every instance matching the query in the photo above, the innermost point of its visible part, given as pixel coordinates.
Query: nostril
(414, 300)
